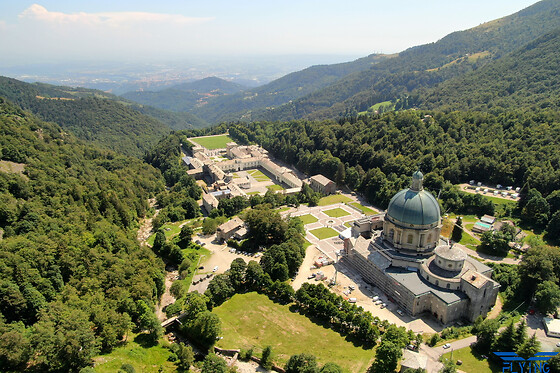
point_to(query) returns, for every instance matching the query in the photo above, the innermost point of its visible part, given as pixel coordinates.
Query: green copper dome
(414, 206)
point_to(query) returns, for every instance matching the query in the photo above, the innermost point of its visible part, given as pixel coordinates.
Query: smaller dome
(450, 253)
(418, 175)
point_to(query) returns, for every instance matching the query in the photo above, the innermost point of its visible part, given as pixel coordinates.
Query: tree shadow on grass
(145, 340)
(326, 325)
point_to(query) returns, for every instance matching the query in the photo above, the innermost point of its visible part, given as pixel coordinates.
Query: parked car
(215, 269)
(446, 346)
(400, 312)
(383, 305)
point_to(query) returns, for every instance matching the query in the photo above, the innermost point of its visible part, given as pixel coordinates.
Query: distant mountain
(527, 78)
(422, 67)
(282, 90)
(210, 84)
(96, 118)
(185, 96)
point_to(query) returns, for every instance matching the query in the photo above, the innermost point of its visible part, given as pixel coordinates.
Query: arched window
(391, 234)
(437, 282)
(429, 238)
(448, 285)
(409, 238)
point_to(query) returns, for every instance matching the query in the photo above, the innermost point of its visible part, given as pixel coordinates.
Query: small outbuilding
(228, 229)
(322, 184)
(552, 327)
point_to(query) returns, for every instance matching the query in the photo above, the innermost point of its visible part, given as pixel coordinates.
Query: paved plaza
(333, 244)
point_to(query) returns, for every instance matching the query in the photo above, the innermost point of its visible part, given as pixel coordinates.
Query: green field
(336, 213)
(472, 361)
(348, 224)
(469, 241)
(258, 175)
(213, 142)
(334, 198)
(324, 233)
(266, 323)
(364, 209)
(274, 187)
(253, 193)
(308, 219)
(143, 359)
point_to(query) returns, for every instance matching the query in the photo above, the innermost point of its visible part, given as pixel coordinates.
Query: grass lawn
(195, 261)
(306, 244)
(336, 213)
(324, 233)
(252, 193)
(172, 229)
(334, 198)
(466, 218)
(364, 209)
(267, 323)
(284, 208)
(274, 187)
(213, 142)
(143, 359)
(472, 361)
(468, 240)
(308, 219)
(348, 224)
(258, 175)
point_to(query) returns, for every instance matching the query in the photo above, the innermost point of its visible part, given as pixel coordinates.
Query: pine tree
(520, 335)
(530, 347)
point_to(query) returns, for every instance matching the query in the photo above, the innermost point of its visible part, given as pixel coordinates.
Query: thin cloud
(37, 12)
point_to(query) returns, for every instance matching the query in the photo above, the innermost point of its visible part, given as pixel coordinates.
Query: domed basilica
(401, 252)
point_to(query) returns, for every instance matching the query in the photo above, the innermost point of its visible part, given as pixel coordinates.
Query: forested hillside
(97, 116)
(376, 155)
(73, 279)
(526, 78)
(423, 66)
(282, 90)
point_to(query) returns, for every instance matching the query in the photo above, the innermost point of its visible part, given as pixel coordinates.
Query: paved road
(434, 353)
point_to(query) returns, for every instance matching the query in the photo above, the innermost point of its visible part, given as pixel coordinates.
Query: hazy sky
(58, 30)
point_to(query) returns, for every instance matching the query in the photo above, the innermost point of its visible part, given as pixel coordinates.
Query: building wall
(408, 301)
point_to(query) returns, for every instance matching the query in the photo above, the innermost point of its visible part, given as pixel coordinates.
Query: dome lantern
(417, 180)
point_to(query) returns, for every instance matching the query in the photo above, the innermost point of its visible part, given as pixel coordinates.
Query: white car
(215, 269)
(400, 312)
(446, 346)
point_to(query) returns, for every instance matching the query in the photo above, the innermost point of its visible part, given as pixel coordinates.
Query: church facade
(401, 252)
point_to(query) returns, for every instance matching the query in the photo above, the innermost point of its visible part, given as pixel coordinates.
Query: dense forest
(73, 278)
(101, 118)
